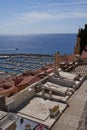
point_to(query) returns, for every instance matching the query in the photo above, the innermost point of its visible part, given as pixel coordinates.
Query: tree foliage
(83, 38)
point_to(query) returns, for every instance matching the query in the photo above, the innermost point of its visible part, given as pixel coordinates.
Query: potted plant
(54, 111)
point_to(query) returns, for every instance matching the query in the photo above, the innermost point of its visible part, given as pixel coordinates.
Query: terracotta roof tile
(84, 55)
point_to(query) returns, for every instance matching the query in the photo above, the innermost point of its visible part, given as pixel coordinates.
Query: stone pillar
(50, 94)
(43, 91)
(2, 102)
(77, 47)
(57, 61)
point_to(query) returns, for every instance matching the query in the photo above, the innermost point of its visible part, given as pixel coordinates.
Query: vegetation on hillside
(83, 38)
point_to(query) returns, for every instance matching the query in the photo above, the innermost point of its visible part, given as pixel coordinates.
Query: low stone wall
(20, 98)
(23, 96)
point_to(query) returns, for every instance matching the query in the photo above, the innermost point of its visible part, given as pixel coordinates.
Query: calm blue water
(38, 44)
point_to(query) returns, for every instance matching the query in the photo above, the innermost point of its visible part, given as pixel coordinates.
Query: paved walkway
(69, 120)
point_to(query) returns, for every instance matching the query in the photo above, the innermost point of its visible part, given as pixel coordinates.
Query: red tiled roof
(19, 82)
(84, 55)
(71, 57)
(49, 70)
(7, 88)
(25, 80)
(9, 91)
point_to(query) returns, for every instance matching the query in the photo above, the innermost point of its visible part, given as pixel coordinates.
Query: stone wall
(22, 96)
(18, 99)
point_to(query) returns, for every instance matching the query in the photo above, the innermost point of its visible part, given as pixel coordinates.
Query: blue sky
(42, 16)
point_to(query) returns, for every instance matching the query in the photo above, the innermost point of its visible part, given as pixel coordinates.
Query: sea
(38, 44)
(29, 52)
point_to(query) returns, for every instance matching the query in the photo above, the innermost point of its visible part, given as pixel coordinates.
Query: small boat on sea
(16, 48)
